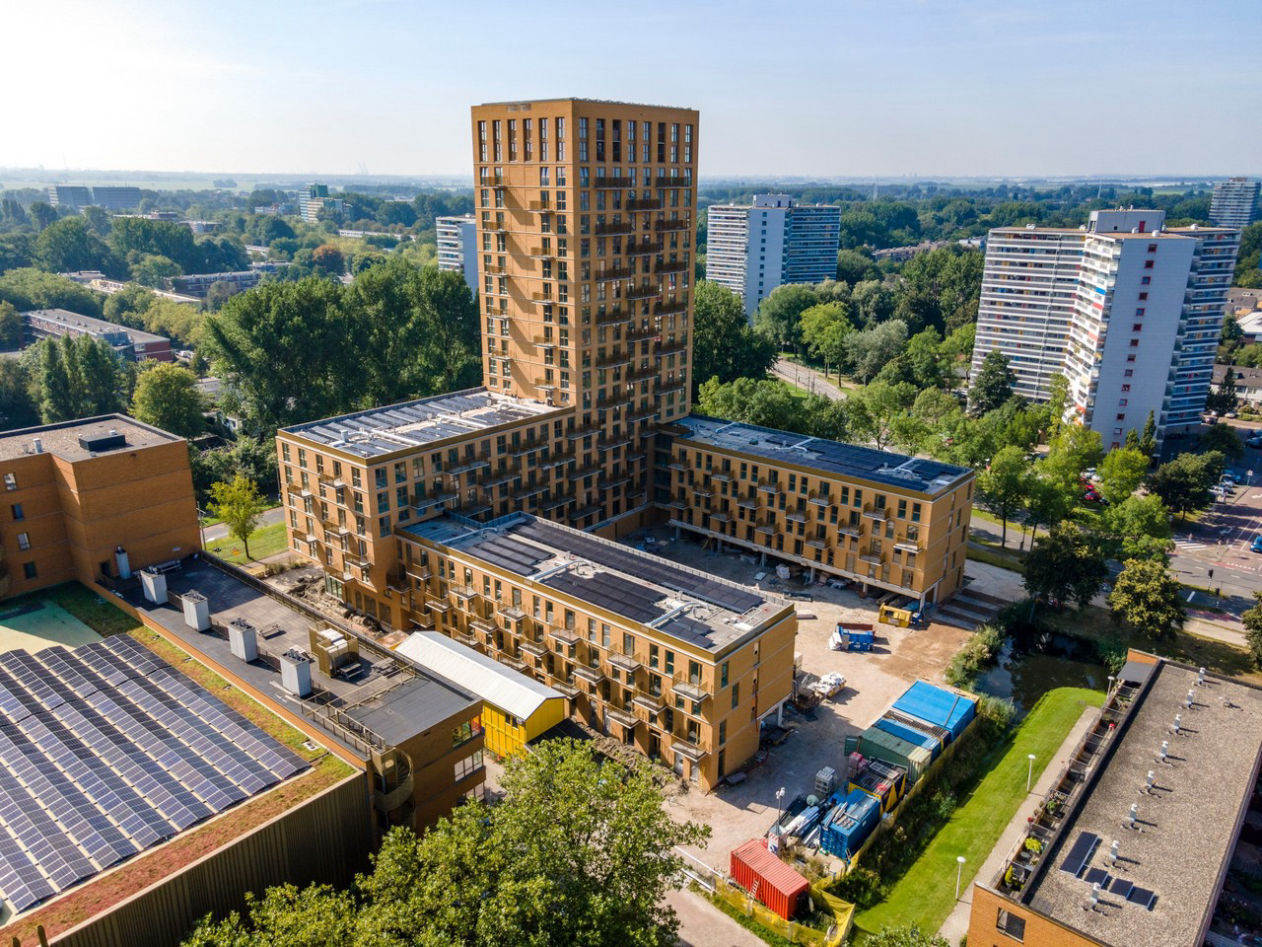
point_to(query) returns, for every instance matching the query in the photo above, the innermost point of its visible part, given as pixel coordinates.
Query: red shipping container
(769, 879)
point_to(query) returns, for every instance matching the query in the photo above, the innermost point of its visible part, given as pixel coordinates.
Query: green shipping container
(875, 743)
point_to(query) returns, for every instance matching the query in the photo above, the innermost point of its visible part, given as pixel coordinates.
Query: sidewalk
(956, 926)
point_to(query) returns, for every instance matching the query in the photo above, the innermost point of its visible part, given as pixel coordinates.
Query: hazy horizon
(823, 91)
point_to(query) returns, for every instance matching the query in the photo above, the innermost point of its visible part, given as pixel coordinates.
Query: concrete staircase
(969, 608)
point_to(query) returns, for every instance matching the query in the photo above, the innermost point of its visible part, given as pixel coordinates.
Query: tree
(854, 266)
(911, 936)
(69, 245)
(1076, 449)
(724, 345)
(884, 407)
(779, 315)
(1183, 484)
(870, 350)
(1121, 473)
(1137, 528)
(1002, 487)
(1048, 501)
(166, 396)
(42, 214)
(11, 330)
(1065, 566)
(1223, 397)
(239, 504)
(594, 872)
(993, 384)
(77, 378)
(153, 269)
(1147, 597)
(1148, 439)
(824, 330)
(329, 259)
(1223, 439)
(766, 402)
(1252, 619)
(1058, 399)
(17, 408)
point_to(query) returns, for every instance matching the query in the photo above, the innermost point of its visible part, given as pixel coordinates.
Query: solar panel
(1143, 897)
(1121, 887)
(1083, 847)
(1096, 876)
(107, 750)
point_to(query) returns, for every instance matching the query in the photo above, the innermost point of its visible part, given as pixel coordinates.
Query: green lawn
(265, 541)
(926, 894)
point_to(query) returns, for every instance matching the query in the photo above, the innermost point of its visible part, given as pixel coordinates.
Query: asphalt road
(275, 515)
(807, 379)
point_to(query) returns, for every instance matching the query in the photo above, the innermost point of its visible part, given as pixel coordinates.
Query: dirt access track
(873, 681)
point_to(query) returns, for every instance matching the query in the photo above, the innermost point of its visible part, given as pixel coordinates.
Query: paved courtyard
(873, 681)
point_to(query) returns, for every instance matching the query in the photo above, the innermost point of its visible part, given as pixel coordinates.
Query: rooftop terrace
(380, 431)
(84, 438)
(683, 603)
(828, 457)
(1163, 887)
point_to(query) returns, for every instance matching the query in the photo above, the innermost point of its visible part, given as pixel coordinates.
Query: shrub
(978, 653)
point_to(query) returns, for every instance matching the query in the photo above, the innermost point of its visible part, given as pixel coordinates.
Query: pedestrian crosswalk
(1187, 545)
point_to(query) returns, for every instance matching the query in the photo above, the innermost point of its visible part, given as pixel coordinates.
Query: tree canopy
(577, 852)
(724, 344)
(993, 384)
(1148, 598)
(1065, 567)
(166, 396)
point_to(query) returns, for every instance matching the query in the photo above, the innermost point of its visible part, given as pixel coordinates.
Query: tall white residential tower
(1127, 311)
(752, 249)
(458, 246)
(1233, 203)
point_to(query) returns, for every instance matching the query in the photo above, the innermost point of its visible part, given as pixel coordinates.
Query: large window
(1011, 925)
(468, 766)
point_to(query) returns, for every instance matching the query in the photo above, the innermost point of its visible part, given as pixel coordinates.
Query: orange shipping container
(769, 879)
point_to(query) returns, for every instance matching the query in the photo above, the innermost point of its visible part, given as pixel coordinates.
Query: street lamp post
(959, 874)
(1029, 773)
(779, 799)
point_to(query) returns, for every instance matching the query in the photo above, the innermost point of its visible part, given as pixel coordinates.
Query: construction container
(769, 879)
(848, 824)
(942, 733)
(875, 743)
(852, 637)
(880, 780)
(911, 734)
(939, 706)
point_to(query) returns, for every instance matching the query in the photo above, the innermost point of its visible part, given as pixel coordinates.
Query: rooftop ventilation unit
(96, 443)
(295, 673)
(196, 611)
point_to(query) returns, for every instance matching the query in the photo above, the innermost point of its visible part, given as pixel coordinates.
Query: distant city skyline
(813, 89)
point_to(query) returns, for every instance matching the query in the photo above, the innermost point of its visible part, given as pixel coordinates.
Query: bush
(978, 653)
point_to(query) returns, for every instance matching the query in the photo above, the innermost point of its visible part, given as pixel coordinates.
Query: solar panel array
(659, 572)
(1079, 858)
(106, 751)
(507, 553)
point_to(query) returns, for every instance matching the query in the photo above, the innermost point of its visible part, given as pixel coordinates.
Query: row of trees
(290, 352)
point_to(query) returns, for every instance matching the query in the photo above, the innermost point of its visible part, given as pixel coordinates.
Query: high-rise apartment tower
(752, 249)
(458, 246)
(1233, 203)
(1127, 311)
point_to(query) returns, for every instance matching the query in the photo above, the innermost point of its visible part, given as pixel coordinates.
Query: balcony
(538, 206)
(495, 226)
(615, 272)
(747, 503)
(818, 542)
(470, 463)
(847, 530)
(765, 526)
(797, 516)
(612, 183)
(671, 348)
(872, 557)
(690, 688)
(464, 593)
(820, 499)
(636, 333)
(590, 675)
(644, 203)
(569, 690)
(876, 512)
(701, 491)
(417, 571)
(534, 647)
(678, 223)
(672, 266)
(690, 746)
(769, 486)
(482, 627)
(643, 291)
(626, 662)
(513, 614)
(643, 248)
(613, 228)
(671, 182)
(626, 718)
(613, 316)
(650, 702)
(542, 253)
(643, 373)
(563, 635)
(514, 663)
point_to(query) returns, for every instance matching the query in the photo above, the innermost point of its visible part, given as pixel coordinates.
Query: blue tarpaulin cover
(938, 706)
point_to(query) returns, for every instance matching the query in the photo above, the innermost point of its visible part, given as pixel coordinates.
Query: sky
(848, 88)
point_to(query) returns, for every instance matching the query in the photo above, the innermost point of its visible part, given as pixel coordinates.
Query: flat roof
(392, 698)
(92, 324)
(919, 474)
(409, 424)
(576, 98)
(686, 604)
(495, 683)
(62, 439)
(1187, 823)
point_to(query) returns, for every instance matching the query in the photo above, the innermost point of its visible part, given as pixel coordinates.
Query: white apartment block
(1128, 312)
(752, 249)
(1233, 202)
(458, 246)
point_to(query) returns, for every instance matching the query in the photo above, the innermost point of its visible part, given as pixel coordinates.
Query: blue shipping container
(938, 706)
(911, 735)
(849, 823)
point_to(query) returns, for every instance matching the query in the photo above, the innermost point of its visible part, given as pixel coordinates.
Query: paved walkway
(701, 924)
(956, 926)
(808, 379)
(275, 515)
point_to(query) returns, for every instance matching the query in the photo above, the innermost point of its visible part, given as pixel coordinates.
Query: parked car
(1256, 545)
(1254, 440)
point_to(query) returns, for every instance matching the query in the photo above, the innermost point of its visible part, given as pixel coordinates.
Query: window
(1121, 416)
(1142, 297)
(722, 732)
(1139, 312)
(1148, 264)
(722, 669)
(469, 765)
(1134, 343)
(10, 482)
(17, 511)
(1137, 327)
(1010, 924)
(736, 694)
(465, 732)
(1145, 280)
(28, 569)
(1152, 248)
(24, 540)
